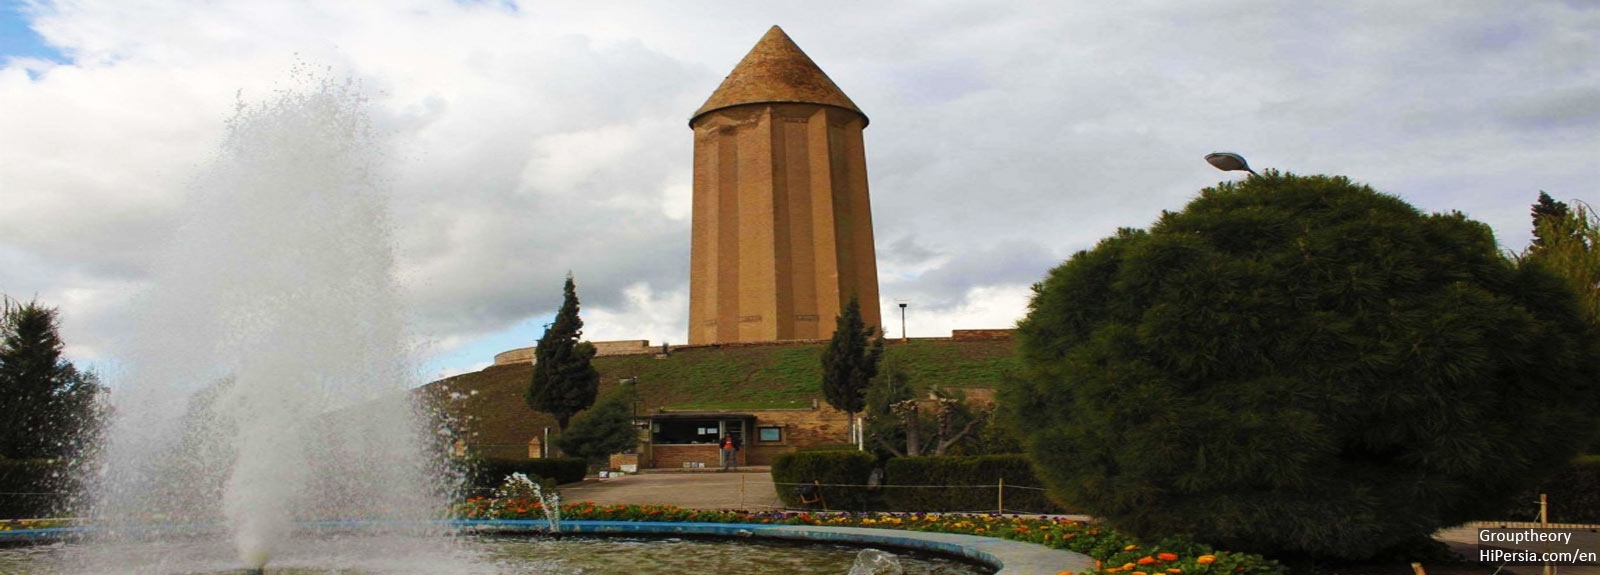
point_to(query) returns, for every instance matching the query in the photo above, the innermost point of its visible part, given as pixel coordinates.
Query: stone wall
(519, 355)
(601, 349)
(623, 347)
(981, 334)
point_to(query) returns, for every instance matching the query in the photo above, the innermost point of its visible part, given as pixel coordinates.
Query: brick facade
(797, 428)
(781, 237)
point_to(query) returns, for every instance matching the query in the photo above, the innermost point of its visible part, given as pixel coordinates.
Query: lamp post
(903, 337)
(1229, 162)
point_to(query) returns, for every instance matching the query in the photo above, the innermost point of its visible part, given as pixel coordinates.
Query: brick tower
(782, 225)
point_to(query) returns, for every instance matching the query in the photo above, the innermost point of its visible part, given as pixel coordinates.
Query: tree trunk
(907, 412)
(945, 443)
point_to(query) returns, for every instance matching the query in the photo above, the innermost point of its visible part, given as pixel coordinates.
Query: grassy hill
(730, 378)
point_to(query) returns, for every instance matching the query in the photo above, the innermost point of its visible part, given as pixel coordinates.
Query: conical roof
(776, 70)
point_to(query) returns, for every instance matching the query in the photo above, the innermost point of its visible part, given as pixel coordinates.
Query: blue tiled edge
(1008, 557)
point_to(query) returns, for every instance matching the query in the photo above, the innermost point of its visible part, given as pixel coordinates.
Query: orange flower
(1206, 559)
(1167, 557)
(1064, 573)
(1139, 573)
(1174, 571)
(1146, 560)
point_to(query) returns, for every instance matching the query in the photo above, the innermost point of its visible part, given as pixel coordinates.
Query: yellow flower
(1130, 548)
(1206, 559)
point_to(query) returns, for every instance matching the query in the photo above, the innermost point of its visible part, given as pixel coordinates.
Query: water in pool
(489, 554)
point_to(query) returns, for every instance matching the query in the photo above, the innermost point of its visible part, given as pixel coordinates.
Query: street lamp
(903, 337)
(1229, 162)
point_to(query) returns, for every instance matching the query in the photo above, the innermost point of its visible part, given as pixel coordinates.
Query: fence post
(1544, 523)
(1002, 497)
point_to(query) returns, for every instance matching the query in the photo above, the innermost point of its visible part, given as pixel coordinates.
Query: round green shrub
(1301, 365)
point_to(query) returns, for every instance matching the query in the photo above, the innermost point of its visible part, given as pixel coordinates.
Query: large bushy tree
(1301, 365)
(850, 361)
(50, 408)
(606, 429)
(1566, 240)
(564, 381)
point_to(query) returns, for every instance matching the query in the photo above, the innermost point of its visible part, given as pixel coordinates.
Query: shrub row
(491, 472)
(839, 473)
(32, 488)
(1574, 495)
(971, 484)
(937, 484)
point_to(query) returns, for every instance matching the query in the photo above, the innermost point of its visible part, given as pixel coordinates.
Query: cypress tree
(1547, 212)
(1301, 365)
(49, 406)
(850, 361)
(564, 382)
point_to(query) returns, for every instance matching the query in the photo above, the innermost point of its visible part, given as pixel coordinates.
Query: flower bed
(1112, 551)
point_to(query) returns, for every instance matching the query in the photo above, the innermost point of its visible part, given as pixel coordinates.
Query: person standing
(730, 453)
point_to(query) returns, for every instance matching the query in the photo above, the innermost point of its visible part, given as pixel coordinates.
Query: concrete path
(708, 490)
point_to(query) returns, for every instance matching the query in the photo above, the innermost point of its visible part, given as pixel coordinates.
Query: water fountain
(518, 486)
(263, 422)
(266, 383)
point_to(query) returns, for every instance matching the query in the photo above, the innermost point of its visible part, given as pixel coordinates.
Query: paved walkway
(1464, 540)
(751, 490)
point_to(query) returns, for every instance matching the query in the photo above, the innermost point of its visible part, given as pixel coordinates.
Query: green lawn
(717, 379)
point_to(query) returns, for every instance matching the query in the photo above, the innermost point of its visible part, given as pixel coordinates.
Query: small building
(692, 438)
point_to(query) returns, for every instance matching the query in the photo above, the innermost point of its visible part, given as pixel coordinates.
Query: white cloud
(530, 140)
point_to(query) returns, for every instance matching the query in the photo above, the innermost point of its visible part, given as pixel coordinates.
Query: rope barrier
(998, 489)
(891, 486)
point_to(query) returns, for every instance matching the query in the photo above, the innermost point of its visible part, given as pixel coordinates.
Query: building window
(769, 433)
(684, 432)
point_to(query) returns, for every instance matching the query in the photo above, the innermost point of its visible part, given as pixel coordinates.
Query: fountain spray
(268, 382)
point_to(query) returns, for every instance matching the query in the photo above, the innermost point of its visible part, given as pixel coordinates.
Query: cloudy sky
(532, 138)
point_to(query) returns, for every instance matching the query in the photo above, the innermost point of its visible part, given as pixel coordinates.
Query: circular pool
(507, 554)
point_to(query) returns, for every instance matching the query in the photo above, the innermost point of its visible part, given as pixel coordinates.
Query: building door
(735, 428)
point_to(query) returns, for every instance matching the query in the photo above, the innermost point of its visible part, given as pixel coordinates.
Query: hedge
(967, 484)
(1574, 495)
(33, 488)
(491, 472)
(843, 475)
